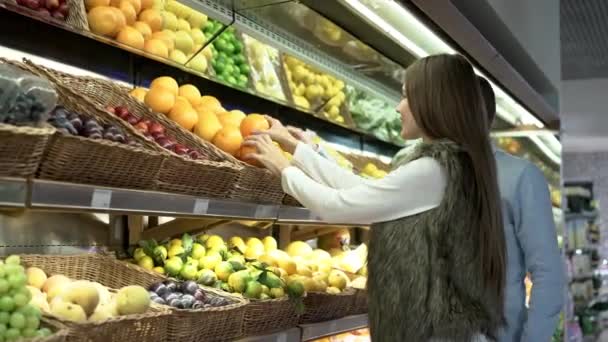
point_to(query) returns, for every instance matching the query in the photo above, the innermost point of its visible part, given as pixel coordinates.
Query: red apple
(142, 127)
(51, 5)
(180, 149)
(155, 135)
(132, 119)
(156, 127)
(111, 109)
(165, 142)
(64, 9)
(21, 2)
(44, 12)
(33, 4)
(194, 154)
(122, 111)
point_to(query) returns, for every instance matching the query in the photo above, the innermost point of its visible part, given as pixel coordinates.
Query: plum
(199, 295)
(33, 4)
(159, 288)
(43, 12)
(171, 285)
(152, 294)
(177, 303)
(121, 111)
(188, 301)
(158, 300)
(195, 154)
(198, 305)
(156, 135)
(64, 9)
(169, 296)
(132, 119)
(180, 149)
(58, 15)
(165, 142)
(155, 127)
(189, 287)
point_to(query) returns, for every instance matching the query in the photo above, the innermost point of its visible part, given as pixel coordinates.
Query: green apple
(184, 42)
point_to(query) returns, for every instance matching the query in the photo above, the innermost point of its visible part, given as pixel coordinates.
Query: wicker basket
(21, 149)
(150, 326)
(262, 316)
(77, 18)
(223, 323)
(321, 306)
(359, 305)
(221, 176)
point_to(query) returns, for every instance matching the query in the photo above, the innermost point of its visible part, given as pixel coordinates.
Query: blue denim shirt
(531, 247)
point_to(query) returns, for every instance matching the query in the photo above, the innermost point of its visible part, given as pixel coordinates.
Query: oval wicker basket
(321, 306)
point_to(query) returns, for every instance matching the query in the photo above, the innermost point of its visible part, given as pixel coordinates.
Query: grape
(14, 269)
(21, 299)
(17, 280)
(27, 332)
(4, 317)
(7, 304)
(2, 270)
(13, 259)
(4, 286)
(30, 310)
(12, 334)
(32, 322)
(44, 332)
(3, 329)
(17, 320)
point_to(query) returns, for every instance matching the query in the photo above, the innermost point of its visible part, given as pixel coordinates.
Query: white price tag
(101, 198)
(200, 206)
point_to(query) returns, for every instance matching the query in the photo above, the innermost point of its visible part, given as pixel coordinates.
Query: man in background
(531, 245)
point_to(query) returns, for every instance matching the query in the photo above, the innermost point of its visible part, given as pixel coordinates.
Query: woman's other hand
(280, 134)
(268, 154)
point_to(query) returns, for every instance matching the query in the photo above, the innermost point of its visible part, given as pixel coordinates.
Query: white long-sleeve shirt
(338, 195)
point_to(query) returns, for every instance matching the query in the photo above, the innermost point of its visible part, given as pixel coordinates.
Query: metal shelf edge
(318, 330)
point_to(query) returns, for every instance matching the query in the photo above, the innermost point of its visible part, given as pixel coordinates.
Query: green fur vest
(424, 279)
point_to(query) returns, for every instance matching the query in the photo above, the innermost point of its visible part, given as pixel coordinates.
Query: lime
(222, 56)
(244, 69)
(238, 46)
(228, 70)
(220, 43)
(228, 48)
(12, 334)
(239, 59)
(17, 320)
(231, 80)
(7, 304)
(208, 26)
(243, 79)
(221, 78)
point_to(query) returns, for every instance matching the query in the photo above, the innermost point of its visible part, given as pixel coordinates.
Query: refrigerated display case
(142, 160)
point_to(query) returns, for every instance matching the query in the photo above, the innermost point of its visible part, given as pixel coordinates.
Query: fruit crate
(150, 326)
(21, 149)
(220, 175)
(262, 316)
(321, 306)
(76, 18)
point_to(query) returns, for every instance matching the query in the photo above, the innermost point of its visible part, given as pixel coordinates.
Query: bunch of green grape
(18, 318)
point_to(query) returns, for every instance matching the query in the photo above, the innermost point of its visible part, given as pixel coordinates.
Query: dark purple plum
(168, 297)
(159, 288)
(171, 285)
(189, 287)
(158, 300)
(199, 295)
(188, 301)
(177, 303)
(198, 305)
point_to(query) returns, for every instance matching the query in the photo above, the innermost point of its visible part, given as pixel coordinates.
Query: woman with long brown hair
(437, 247)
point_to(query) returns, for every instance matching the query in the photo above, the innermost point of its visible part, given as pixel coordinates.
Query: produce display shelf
(322, 329)
(13, 192)
(52, 195)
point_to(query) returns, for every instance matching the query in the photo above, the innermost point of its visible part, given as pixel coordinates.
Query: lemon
(146, 262)
(198, 251)
(239, 280)
(270, 244)
(313, 91)
(139, 254)
(277, 292)
(332, 290)
(337, 279)
(177, 242)
(210, 261)
(223, 270)
(253, 290)
(238, 243)
(254, 243)
(298, 248)
(175, 250)
(159, 270)
(214, 241)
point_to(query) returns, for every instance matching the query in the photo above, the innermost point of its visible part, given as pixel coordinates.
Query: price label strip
(101, 199)
(201, 206)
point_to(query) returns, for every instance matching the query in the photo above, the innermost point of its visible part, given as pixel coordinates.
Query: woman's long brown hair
(445, 99)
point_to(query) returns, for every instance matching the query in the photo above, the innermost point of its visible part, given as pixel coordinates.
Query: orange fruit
(166, 36)
(139, 93)
(252, 123)
(182, 101)
(131, 37)
(208, 125)
(244, 151)
(115, 3)
(233, 117)
(89, 4)
(127, 9)
(121, 20)
(144, 28)
(136, 5)
(167, 83)
(160, 100)
(210, 102)
(153, 18)
(156, 47)
(103, 21)
(184, 115)
(191, 93)
(146, 4)
(228, 139)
